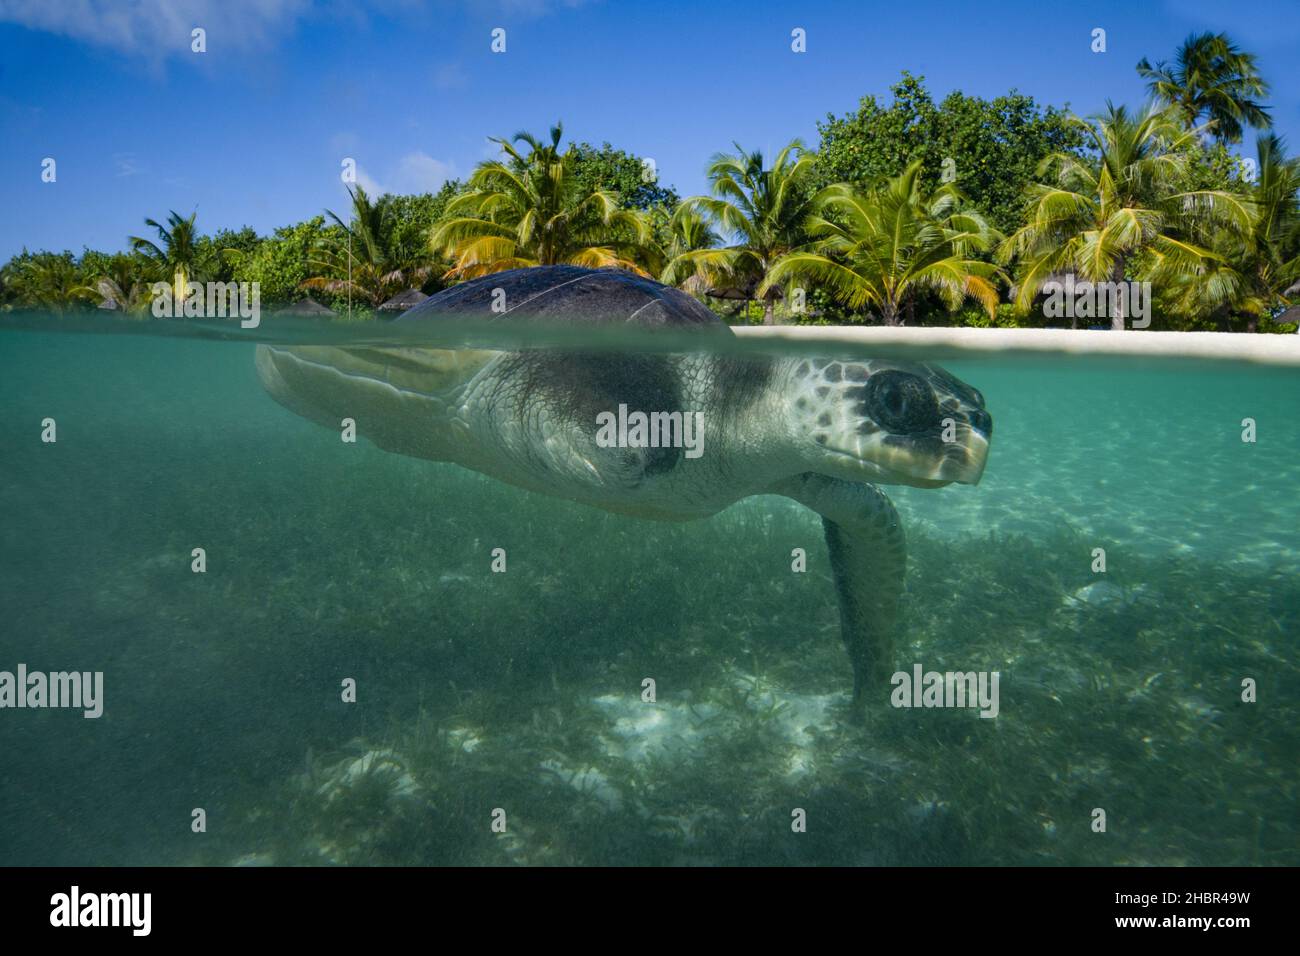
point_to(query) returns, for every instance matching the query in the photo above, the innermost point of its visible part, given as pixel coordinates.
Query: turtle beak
(966, 422)
(961, 452)
(932, 461)
(952, 443)
(968, 465)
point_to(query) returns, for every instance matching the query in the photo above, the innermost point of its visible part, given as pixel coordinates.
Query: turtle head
(890, 422)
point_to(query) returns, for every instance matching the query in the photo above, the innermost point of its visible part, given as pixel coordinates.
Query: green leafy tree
(120, 277)
(529, 209)
(408, 222)
(1210, 80)
(1097, 218)
(762, 209)
(686, 231)
(218, 254)
(883, 247)
(1251, 271)
(635, 185)
(49, 281)
(281, 262)
(8, 273)
(633, 180)
(366, 262)
(989, 149)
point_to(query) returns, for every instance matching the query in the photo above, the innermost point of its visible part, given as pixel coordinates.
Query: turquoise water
(521, 692)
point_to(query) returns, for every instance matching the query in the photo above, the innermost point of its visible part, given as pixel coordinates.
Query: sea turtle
(821, 431)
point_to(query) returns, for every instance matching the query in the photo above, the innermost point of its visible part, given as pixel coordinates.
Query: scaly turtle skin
(820, 431)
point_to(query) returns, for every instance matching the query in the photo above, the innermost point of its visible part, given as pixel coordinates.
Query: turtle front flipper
(868, 559)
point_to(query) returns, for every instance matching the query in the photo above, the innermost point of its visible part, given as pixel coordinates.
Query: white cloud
(415, 173)
(449, 76)
(537, 8)
(344, 143)
(157, 27)
(421, 173)
(368, 183)
(127, 164)
(160, 27)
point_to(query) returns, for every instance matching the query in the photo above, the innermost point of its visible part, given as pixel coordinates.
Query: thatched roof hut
(403, 301)
(307, 306)
(694, 285)
(742, 294)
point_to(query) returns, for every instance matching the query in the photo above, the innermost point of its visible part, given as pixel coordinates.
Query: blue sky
(253, 131)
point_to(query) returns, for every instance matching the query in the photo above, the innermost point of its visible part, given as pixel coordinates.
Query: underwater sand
(522, 691)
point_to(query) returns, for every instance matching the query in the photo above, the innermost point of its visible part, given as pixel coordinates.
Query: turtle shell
(567, 294)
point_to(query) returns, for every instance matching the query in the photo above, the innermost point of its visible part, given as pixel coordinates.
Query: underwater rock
(382, 766)
(659, 729)
(587, 781)
(1105, 594)
(799, 729)
(796, 718)
(465, 738)
(360, 807)
(926, 809)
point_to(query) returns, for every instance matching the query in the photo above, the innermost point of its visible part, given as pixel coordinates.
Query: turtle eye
(901, 403)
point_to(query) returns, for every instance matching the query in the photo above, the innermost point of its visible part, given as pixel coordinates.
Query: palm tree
(688, 232)
(366, 261)
(1210, 78)
(122, 280)
(1093, 218)
(763, 209)
(1253, 271)
(49, 281)
(528, 209)
(883, 246)
(176, 259)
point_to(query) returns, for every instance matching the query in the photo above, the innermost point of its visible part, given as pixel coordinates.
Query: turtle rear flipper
(868, 555)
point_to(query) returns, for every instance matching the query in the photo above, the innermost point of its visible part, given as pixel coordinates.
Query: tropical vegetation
(1104, 216)
(1210, 80)
(367, 258)
(532, 209)
(884, 246)
(908, 210)
(764, 209)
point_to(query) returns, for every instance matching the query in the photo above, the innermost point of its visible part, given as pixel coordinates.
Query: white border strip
(1220, 346)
